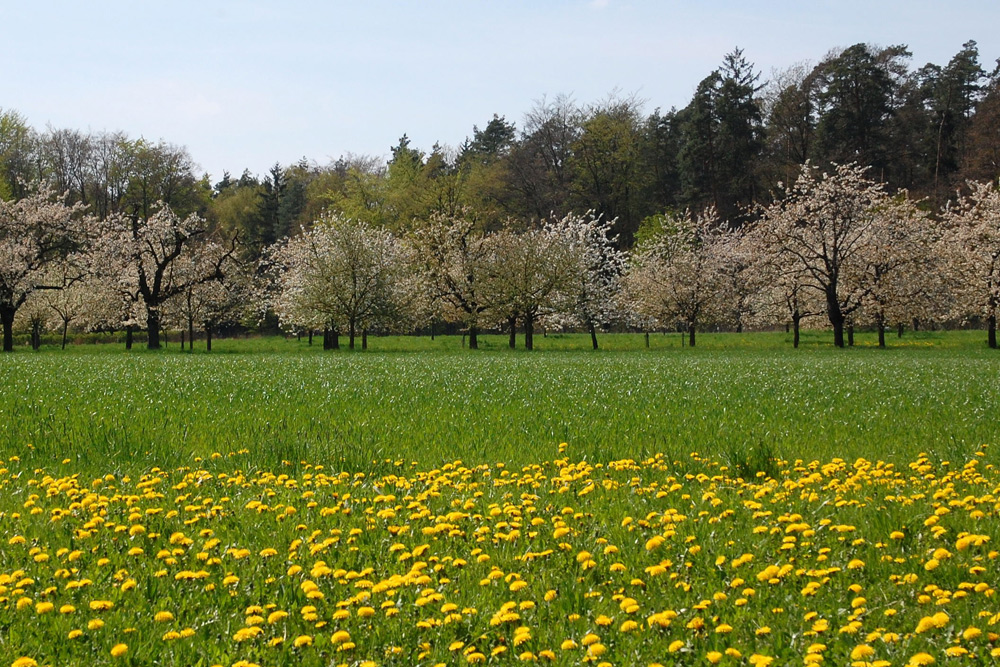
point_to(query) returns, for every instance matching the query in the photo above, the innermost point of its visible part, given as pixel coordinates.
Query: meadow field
(418, 503)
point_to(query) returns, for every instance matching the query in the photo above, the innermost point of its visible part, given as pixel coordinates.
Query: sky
(246, 84)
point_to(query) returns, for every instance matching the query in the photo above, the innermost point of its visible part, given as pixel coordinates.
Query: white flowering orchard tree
(528, 273)
(212, 303)
(821, 229)
(342, 276)
(680, 276)
(588, 298)
(781, 291)
(898, 264)
(36, 233)
(141, 255)
(72, 305)
(452, 257)
(971, 243)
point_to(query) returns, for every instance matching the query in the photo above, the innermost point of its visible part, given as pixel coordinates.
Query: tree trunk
(350, 329)
(916, 324)
(364, 339)
(327, 340)
(190, 334)
(691, 334)
(65, 331)
(36, 336)
(432, 331)
(153, 329)
(991, 331)
(473, 338)
(850, 335)
(796, 320)
(182, 340)
(512, 341)
(881, 334)
(310, 337)
(7, 317)
(335, 334)
(128, 337)
(647, 340)
(899, 330)
(836, 317)
(208, 337)
(593, 335)
(529, 332)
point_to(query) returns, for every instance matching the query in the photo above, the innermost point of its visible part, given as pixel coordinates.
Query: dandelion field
(727, 506)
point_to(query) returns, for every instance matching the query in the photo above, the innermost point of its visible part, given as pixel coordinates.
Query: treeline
(927, 130)
(603, 208)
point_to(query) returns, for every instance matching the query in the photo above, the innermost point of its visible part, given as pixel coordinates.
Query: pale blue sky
(245, 84)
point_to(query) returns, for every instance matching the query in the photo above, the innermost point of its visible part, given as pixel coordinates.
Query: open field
(740, 503)
(433, 402)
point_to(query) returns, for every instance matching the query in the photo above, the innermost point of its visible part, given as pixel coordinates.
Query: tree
(527, 273)
(820, 230)
(340, 275)
(722, 131)
(36, 233)
(790, 102)
(18, 156)
(588, 298)
(661, 145)
(679, 276)
(208, 304)
(66, 158)
(605, 164)
(452, 257)
(142, 255)
(898, 259)
(856, 94)
(982, 157)
(540, 174)
(971, 243)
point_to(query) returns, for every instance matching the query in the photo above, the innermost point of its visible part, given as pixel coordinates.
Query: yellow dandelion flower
(118, 650)
(862, 651)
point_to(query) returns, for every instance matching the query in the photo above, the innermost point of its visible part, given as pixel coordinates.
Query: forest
(857, 191)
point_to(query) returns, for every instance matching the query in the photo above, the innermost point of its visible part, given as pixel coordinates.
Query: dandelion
(118, 650)
(862, 652)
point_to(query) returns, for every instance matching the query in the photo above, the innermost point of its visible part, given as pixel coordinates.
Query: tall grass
(745, 404)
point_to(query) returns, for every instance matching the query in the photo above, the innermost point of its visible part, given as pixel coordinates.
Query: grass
(732, 396)
(739, 503)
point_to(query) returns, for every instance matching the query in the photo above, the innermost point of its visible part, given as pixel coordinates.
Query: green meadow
(744, 398)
